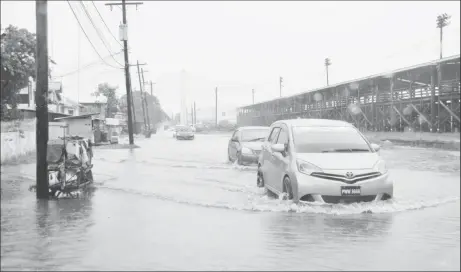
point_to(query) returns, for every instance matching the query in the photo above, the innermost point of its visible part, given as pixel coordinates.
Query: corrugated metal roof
(77, 116)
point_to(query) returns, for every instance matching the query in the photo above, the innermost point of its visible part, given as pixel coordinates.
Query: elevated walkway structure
(424, 97)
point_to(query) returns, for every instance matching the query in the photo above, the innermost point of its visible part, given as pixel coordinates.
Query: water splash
(259, 201)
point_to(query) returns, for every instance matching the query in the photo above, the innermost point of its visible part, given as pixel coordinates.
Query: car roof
(304, 122)
(253, 127)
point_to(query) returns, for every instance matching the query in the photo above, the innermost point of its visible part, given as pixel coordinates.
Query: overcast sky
(238, 46)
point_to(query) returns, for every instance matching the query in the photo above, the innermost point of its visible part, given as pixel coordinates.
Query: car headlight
(246, 150)
(380, 167)
(307, 168)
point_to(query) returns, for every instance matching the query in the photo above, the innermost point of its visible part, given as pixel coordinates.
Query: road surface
(179, 205)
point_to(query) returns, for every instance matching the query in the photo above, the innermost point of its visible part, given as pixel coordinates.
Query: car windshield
(183, 129)
(328, 139)
(252, 135)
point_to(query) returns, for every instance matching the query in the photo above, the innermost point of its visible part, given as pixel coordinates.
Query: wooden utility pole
(133, 109)
(152, 88)
(253, 92)
(281, 85)
(142, 100)
(124, 37)
(145, 101)
(216, 106)
(41, 133)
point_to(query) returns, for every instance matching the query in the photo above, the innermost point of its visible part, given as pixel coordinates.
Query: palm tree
(442, 21)
(327, 63)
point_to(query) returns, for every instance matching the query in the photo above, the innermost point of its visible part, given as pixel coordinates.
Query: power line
(98, 32)
(88, 65)
(81, 27)
(108, 29)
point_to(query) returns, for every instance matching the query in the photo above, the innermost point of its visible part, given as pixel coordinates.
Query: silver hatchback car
(321, 160)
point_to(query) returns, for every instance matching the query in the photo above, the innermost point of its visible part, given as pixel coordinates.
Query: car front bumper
(329, 191)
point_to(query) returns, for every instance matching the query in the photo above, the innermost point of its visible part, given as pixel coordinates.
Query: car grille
(344, 179)
(347, 199)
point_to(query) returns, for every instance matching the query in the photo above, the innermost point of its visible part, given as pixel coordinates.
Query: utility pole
(124, 37)
(281, 85)
(253, 92)
(195, 115)
(145, 101)
(142, 102)
(192, 114)
(327, 63)
(216, 106)
(133, 109)
(151, 88)
(41, 133)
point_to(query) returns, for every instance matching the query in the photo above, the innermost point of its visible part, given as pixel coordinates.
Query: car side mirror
(278, 148)
(375, 147)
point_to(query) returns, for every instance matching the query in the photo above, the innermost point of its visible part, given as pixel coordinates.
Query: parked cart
(69, 165)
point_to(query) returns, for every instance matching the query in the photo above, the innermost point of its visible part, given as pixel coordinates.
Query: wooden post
(433, 108)
(439, 87)
(391, 108)
(41, 9)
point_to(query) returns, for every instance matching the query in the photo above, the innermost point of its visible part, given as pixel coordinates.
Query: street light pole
(216, 106)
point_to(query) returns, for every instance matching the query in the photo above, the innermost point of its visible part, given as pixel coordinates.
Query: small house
(81, 125)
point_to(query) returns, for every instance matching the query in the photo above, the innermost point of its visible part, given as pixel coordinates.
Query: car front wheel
(260, 179)
(287, 191)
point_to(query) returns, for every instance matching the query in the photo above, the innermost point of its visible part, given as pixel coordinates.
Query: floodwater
(179, 205)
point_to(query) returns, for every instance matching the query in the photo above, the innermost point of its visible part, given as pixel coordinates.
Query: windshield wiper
(257, 139)
(346, 150)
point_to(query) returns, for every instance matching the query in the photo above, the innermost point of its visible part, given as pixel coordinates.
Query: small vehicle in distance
(246, 143)
(184, 133)
(114, 138)
(321, 160)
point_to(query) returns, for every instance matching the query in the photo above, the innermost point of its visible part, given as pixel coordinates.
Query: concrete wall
(17, 139)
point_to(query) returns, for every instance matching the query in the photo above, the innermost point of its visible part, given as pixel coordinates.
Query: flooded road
(179, 205)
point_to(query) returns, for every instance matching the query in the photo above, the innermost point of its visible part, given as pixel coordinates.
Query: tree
(109, 92)
(442, 21)
(156, 114)
(17, 64)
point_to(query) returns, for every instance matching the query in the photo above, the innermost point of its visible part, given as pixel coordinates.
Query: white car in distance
(321, 160)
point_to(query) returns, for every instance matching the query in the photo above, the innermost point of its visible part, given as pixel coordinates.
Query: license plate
(350, 190)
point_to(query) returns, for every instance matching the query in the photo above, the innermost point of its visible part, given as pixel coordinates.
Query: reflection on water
(165, 212)
(35, 233)
(294, 230)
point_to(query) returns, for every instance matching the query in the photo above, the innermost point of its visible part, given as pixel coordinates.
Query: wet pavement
(179, 205)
